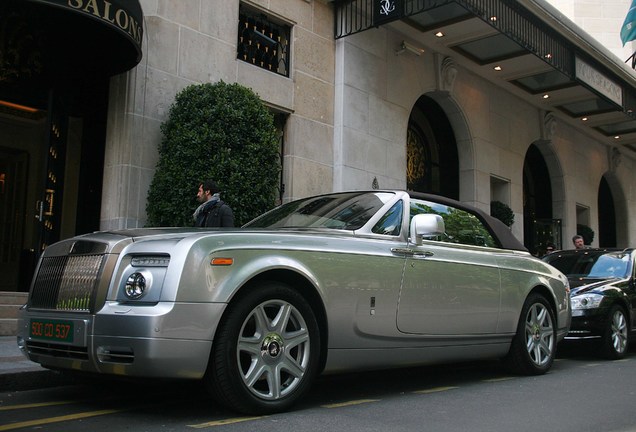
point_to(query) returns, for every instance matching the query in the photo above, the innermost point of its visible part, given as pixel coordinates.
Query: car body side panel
(521, 273)
(359, 287)
(450, 291)
(340, 360)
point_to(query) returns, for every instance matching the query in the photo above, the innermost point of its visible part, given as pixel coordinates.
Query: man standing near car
(212, 212)
(578, 242)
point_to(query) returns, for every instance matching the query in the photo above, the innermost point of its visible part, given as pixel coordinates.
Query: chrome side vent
(108, 354)
(66, 283)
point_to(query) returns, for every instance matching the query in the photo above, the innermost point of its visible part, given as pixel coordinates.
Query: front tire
(534, 345)
(266, 350)
(615, 341)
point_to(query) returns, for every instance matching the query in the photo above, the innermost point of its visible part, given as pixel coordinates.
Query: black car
(603, 295)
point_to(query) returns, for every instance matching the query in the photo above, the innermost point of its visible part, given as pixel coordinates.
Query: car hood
(147, 233)
(115, 240)
(580, 286)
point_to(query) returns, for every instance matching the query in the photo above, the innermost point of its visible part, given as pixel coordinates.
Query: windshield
(348, 211)
(593, 264)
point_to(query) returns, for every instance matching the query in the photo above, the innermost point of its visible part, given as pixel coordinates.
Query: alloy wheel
(273, 349)
(539, 334)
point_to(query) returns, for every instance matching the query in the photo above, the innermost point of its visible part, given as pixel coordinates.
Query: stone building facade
(189, 42)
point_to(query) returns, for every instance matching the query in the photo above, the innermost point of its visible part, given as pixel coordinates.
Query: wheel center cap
(272, 345)
(536, 334)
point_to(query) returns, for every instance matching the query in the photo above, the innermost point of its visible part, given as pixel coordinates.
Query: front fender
(220, 283)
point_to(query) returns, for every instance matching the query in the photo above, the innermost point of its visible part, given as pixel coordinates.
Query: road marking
(35, 405)
(224, 422)
(350, 403)
(494, 380)
(56, 419)
(435, 390)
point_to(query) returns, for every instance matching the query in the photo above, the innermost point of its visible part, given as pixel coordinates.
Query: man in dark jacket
(212, 212)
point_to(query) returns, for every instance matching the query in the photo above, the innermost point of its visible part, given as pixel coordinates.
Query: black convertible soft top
(501, 232)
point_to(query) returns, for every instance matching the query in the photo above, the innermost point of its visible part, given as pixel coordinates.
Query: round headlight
(135, 286)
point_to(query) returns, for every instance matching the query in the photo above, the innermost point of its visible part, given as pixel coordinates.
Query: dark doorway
(539, 227)
(432, 163)
(52, 163)
(606, 216)
(13, 179)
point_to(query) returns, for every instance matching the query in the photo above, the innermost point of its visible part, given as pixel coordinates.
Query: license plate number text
(52, 330)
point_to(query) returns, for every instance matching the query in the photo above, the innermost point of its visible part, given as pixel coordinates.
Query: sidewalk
(19, 373)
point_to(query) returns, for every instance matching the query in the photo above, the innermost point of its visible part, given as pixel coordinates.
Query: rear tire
(266, 351)
(534, 345)
(615, 340)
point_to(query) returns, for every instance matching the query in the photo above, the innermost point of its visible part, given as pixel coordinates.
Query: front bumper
(588, 324)
(167, 340)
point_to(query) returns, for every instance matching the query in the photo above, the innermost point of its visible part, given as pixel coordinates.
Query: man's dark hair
(210, 185)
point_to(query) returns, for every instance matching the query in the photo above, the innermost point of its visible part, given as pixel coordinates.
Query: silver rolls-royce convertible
(331, 283)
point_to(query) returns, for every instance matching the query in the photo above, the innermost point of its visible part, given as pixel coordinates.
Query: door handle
(411, 252)
(39, 208)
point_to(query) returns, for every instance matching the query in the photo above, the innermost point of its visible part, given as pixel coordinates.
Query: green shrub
(502, 212)
(219, 131)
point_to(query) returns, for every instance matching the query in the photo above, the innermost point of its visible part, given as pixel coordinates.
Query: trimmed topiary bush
(586, 232)
(502, 212)
(219, 131)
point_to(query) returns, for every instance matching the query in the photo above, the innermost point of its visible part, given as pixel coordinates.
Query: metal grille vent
(66, 283)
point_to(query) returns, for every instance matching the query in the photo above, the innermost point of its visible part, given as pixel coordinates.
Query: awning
(70, 39)
(526, 47)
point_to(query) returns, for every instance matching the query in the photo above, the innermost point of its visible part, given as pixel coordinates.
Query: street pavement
(19, 373)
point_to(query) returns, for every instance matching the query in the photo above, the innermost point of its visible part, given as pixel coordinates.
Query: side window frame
(461, 225)
(393, 216)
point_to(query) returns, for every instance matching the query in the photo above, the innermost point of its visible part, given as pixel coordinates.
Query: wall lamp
(405, 46)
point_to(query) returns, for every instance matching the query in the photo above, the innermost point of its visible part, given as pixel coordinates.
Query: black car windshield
(591, 264)
(348, 211)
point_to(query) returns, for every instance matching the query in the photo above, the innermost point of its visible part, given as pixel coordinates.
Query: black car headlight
(586, 301)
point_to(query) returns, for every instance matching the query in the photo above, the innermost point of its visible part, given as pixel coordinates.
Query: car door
(450, 287)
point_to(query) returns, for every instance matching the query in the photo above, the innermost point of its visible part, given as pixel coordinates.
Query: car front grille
(66, 283)
(57, 350)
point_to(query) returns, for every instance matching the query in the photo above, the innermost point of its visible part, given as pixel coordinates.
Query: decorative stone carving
(549, 126)
(448, 74)
(615, 158)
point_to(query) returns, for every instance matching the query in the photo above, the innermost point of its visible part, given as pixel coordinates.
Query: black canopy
(69, 39)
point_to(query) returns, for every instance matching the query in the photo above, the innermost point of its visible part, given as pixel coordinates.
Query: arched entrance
(612, 219)
(432, 161)
(540, 226)
(606, 215)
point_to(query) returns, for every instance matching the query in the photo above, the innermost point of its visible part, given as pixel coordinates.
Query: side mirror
(426, 225)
